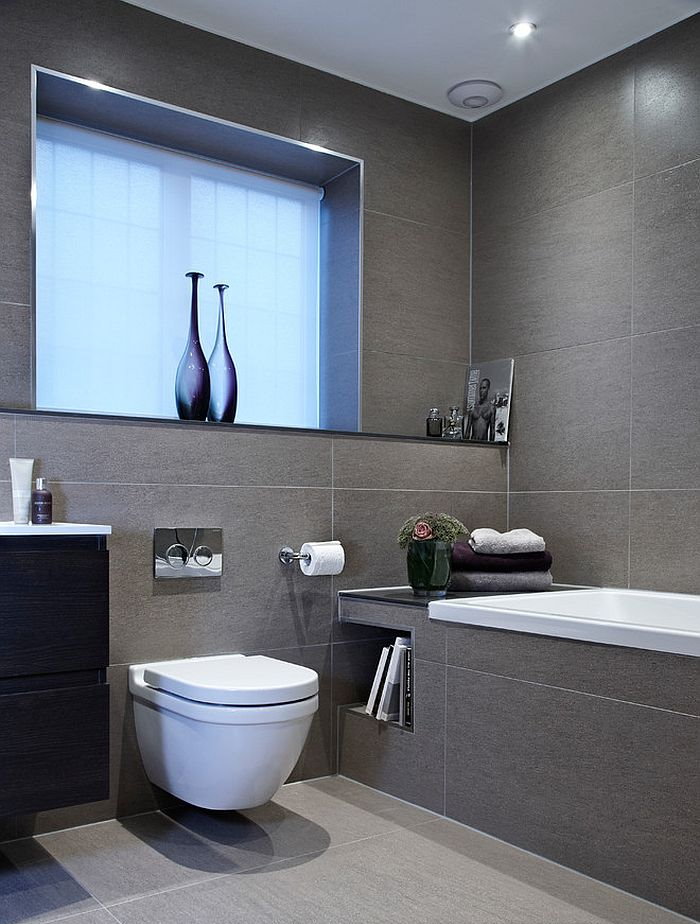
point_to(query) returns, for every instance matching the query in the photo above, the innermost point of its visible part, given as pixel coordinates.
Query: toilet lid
(233, 680)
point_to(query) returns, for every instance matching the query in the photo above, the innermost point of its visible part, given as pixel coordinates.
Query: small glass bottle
(454, 424)
(42, 504)
(434, 423)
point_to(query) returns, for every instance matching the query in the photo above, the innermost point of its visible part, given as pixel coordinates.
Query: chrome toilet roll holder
(288, 556)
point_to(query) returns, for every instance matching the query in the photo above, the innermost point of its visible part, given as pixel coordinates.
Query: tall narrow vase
(192, 386)
(224, 381)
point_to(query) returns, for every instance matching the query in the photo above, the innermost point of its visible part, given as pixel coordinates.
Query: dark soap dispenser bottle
(42, 504)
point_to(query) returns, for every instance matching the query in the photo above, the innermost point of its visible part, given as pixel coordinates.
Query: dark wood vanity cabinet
(54, 652)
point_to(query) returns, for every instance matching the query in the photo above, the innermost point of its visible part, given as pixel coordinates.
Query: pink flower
(422, 530)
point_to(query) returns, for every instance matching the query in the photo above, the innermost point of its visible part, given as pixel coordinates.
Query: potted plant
(428, 542)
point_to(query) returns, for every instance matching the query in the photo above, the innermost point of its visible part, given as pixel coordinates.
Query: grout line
(414, 221)
(495, 229)
(15, 305)
(262, 866)
(552, 686)
(631, 377)
(587, 343)
(427, 359)
(647, 176)
(604, 491)
(264, 487)
(471, 244)
(444, 734)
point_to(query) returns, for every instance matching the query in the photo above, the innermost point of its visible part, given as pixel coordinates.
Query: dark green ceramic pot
(428, 564)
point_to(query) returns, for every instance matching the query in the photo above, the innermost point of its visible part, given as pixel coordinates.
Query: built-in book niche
(391, 696)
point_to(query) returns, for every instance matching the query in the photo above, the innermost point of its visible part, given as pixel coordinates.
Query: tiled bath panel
(579, 752)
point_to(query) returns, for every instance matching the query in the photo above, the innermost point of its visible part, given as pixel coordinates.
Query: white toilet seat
(223, 689)
(233, 680)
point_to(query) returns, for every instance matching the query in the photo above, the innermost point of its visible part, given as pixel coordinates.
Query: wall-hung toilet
(222, 732)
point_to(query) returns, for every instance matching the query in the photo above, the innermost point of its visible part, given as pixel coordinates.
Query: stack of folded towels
(502, 562)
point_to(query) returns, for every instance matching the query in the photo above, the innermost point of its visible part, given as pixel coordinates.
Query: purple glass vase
(224, 381)
(192, 385)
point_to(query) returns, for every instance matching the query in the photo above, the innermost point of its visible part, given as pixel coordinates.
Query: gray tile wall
(417, 166)
(585, 268)
(578, 752)
(266, 490)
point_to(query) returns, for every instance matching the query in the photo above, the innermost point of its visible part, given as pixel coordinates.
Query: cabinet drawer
(54, 611)
(54, 748)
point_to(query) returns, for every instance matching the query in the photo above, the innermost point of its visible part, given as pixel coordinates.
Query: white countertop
(54, 529)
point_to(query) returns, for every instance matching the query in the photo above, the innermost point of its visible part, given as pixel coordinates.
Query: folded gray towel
(517, 541)
(510, 582)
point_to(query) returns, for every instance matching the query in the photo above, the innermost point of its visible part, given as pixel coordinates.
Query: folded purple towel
(504, 583)
(464, 558)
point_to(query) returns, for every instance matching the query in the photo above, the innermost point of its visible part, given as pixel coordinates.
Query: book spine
(408, 690)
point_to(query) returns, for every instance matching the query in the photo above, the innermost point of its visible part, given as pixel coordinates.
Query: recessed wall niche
(324, 331)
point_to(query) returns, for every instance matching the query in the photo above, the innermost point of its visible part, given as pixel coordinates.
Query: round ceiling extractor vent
(475, 94)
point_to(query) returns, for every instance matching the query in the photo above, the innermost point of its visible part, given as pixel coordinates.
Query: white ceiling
(418, 49)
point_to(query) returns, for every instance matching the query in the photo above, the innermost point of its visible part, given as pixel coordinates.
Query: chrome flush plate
(187, 552)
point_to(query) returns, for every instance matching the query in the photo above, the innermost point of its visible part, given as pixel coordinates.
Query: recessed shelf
(359, 709)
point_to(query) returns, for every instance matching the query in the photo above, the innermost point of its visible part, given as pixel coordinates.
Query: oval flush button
(203, 555)
(177, 555)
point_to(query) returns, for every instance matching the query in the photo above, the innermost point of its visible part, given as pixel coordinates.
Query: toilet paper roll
(326, 558)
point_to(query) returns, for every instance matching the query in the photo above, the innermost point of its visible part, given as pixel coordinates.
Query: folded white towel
(517, 541)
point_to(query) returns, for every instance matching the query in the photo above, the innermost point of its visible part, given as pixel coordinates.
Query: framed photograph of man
(488, 399)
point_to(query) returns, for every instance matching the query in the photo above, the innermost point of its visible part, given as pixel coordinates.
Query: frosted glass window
(119, 223)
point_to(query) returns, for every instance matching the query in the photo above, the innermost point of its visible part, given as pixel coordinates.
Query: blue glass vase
(224, 381)
(192, 385)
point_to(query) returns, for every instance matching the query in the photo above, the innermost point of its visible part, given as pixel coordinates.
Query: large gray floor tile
(665, 419)
(667, 86)
(408, 764)
(116, 860)
(416, 289)
(380, 514)
(586, 532)
(597, 785)
(570, 419)
(441, 466)
(667, 230)
(556, 279)
(399, 390)
(569, 140)
(35, 887)
(171, 453)
(415, 876)
(416, 160)
(664, 541)
(302, 819)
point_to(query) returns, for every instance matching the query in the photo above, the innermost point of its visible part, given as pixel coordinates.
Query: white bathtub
(632, 618)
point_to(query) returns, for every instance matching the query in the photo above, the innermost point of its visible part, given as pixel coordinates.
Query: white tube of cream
(21, 471)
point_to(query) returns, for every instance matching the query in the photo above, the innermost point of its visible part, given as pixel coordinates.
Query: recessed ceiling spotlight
(475, 94)
(522, 29)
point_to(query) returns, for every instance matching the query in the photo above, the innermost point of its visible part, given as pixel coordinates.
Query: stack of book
(391, 696)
